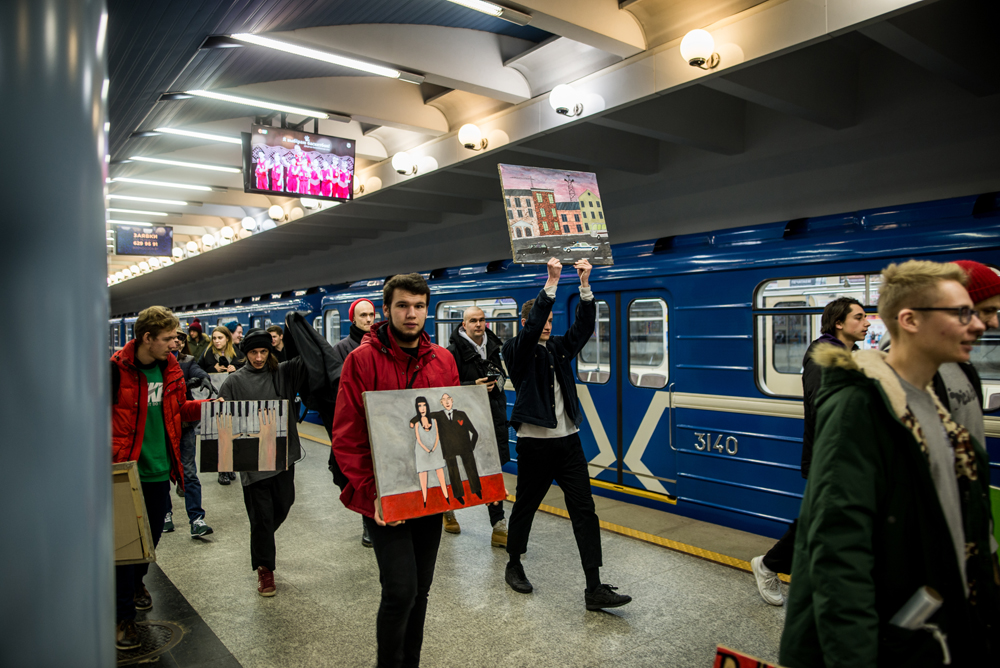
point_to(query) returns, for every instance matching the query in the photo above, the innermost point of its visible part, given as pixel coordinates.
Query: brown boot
(127, 635)
(265, 581)
(450, 523)
(499, 537)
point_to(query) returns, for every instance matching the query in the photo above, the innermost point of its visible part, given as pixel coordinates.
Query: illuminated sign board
(157, 240)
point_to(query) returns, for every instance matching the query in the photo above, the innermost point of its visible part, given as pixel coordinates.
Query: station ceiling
(815, 108)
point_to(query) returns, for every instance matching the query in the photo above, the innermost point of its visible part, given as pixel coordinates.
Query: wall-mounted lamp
(565, 100)
(698, 49)
(359, 188)
(248, 224)
(227, 232)
(207, 240)
(471, 137)
(177, 252)
(192, 247)
(276, 212)
(404, 163)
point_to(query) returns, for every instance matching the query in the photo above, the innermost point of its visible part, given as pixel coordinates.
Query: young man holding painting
(397, 354)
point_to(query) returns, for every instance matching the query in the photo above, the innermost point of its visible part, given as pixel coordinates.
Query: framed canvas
(730, 658)
(554, 213)
(133, 537)
(433, 449)
(244, 436)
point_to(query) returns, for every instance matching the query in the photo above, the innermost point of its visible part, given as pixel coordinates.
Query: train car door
(622, 380)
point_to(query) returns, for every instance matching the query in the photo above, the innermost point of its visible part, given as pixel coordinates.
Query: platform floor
(328, 589)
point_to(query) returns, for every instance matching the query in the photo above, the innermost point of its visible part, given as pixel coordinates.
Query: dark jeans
(539, 462)
(496, 512)
(192, 486)
(471, 472)
(268, 502)
(128, 579)
(779, 557)
(406, 555)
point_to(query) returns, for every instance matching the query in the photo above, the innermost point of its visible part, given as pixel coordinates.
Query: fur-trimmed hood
(872, 364)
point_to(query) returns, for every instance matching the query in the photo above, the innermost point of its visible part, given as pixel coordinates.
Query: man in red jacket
(148, 404)
(396, 354)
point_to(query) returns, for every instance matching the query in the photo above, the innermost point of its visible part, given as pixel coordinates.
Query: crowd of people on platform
(897, 502)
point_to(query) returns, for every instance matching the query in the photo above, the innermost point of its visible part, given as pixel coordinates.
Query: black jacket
(458, 435)
(471, 366)
(341, 350)
(209, 359)
(532, 366)
(302, 341)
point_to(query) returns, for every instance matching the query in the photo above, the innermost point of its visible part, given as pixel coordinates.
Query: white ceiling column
(599, 23)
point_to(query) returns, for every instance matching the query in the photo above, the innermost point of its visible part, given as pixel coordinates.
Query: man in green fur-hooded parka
(898, 496)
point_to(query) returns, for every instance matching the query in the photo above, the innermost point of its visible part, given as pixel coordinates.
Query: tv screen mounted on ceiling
(284, 162)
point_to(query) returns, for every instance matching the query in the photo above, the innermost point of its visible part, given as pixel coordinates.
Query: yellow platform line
(683, 548)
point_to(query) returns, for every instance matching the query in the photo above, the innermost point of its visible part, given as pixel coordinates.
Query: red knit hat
(350, 311)
(983, 281)
(195, 326)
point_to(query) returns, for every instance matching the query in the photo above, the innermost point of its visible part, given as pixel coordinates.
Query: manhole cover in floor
(155, 638)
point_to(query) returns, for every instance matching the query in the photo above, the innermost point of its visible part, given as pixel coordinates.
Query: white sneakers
(768, 583)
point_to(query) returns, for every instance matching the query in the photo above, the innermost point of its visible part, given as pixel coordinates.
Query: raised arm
(586, 313)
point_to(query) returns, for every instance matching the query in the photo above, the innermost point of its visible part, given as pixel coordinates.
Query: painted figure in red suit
(261, 172)
(277, 173)
(327, 174)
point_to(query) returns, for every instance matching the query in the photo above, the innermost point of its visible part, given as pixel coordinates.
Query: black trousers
(406, 556)
(268, 502)
(471, 472)
(779, 557)
(496, 512)
(128, 579)
(539, 462)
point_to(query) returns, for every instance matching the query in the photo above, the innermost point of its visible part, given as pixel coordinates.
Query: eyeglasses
(964, 313)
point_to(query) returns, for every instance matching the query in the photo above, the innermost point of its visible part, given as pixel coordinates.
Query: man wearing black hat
(268, 495)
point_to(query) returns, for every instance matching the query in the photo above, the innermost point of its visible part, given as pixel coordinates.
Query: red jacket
(378, 363)
(128, 410)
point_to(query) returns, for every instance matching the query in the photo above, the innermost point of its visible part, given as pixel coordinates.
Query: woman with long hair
(428, 450)
(221, 356)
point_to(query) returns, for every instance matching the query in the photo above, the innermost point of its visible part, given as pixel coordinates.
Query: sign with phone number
(134, 240)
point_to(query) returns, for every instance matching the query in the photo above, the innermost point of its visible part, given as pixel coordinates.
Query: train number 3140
(705, 444)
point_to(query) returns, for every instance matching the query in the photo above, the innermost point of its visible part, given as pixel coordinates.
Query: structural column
(56, 547)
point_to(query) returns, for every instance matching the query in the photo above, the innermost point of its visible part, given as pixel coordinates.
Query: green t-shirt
(154, 462)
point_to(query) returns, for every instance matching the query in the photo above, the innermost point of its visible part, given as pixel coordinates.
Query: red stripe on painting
(410, 505)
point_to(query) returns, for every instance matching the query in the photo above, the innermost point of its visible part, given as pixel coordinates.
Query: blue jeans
(192, 486)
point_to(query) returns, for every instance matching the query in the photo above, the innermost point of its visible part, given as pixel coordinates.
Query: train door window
(593, 364)
(647, 343)
(986, 358)
(318, 324)
(257, 323)
(788, 316)
(332, 326)
(129, 332)
(501, 317)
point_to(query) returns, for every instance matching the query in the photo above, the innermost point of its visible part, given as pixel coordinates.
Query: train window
(332, 326)
(501, 317)
(593, 364)
(318, 324)
(789, 312)
(258, 323)
(647, 343)
(986, 358)
(129, 332)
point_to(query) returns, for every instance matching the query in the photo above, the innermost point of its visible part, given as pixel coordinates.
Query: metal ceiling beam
(818, 84)
(412, 200)
(451, 183)
(597, 147)
(694, 116)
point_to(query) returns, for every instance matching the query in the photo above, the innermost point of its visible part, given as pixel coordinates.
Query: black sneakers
(142, 599)
(604, 596)
(518, 581)
(127, 635)
(366, 540)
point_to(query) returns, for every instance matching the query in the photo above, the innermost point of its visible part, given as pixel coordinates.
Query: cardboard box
(133, 539)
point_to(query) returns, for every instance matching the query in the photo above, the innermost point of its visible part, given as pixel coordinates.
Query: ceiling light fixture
(163, 184)
(698, 49)
(177, 252)
(249, 224)
(192, 247)
(192, 165)
(199, 135)
(471, 137)
(404, 163)
(492, 9)
(227, 232)
(276, 212)
(129, 222)
(145, 213)
(264, 104)
(151, 200)
(331, 58)
(565, 100)
(208, 240)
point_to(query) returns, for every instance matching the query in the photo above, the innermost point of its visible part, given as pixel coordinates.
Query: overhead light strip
(140, 211)
(162, 184)
(192, 165)
(263, 104)
(129, 222)
(331, 58)
(498, 11)
(199, 135)
(151, 200)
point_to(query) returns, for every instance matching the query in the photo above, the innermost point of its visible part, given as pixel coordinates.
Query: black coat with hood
(472, 366)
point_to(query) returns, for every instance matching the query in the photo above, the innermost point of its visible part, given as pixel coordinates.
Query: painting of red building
(545, 207)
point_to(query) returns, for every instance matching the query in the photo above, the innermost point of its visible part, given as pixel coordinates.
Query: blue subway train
(691, 382)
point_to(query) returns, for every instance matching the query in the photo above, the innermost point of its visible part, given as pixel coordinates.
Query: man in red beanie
(197, 341)
(362, 316)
